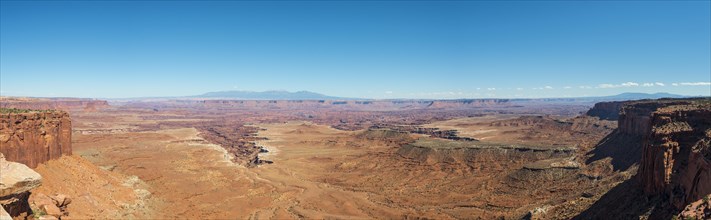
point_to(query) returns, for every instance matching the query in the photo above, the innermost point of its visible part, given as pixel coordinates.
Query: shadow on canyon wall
(626, 200)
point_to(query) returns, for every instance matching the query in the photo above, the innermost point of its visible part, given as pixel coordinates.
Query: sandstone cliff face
(636, 116)
(606, 110)
(676, 160)
(35, 137)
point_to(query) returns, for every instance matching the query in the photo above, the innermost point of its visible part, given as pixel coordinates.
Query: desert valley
(355, 159)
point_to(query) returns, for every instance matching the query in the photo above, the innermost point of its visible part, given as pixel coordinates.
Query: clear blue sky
(393, 49)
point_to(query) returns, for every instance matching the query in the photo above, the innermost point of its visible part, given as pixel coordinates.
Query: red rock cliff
(35, 137)
(606, 110)
(676, 159)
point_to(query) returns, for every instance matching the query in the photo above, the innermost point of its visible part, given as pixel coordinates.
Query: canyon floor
(315, 171)
(190, 178)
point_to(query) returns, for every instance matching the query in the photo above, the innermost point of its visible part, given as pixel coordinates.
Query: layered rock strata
(606, 110)
(676, 159)
(36, 136)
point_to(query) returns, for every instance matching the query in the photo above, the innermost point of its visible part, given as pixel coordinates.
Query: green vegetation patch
(17, 110)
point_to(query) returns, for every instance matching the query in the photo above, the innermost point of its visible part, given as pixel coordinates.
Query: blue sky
(392, 49)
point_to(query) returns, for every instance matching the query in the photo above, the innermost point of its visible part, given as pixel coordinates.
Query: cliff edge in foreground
(32, 137)
(676, 159)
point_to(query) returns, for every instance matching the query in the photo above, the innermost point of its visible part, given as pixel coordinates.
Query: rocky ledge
(16, 182)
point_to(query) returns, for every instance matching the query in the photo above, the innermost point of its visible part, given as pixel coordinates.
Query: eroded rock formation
(606, 110)
(16, 181)
(676, 160)
(236, 139)
(477, 155)
(36, 136)
(432, 132)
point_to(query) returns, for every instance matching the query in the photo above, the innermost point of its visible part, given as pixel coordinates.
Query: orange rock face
(35, 137)
(677, 152)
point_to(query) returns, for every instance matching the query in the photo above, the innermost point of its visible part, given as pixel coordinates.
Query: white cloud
(659, 84)
(647, 84)
(388, 92)
(567, 87)
(585, 87)
(491, 89)
(695, 84)
(675, 84)
(548, 87)
(519, 89)
(627, 84)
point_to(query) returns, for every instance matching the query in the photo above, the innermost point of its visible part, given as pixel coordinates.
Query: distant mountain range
(306, 95)
(269, 95)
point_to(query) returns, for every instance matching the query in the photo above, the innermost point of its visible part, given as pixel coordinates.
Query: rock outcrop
(237, 139)
(33, 137)
(606, 110)
(676, 160)
(665, 142)
(54, 206)
(700, 209)
(16, 180)
(477, 155)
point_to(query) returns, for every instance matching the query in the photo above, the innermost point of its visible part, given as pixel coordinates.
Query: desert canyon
(354, 159)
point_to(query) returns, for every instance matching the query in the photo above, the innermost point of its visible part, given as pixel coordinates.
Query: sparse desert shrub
(17, 110)
(37, 213)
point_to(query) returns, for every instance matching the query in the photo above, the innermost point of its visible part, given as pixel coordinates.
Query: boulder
(48, 205)
(16, 178)
(61, 200)
(47, 217)
(51, 210)
(4, 215)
